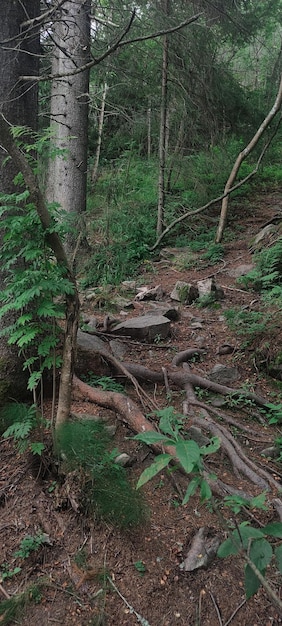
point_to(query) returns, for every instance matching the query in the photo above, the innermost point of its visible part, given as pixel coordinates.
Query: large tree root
(200, 414)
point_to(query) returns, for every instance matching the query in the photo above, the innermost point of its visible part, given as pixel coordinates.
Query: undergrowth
(106, 490)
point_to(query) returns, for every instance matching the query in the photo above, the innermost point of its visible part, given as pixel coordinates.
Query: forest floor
(82, 555)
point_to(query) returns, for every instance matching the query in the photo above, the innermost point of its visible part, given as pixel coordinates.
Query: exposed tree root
(200, 414)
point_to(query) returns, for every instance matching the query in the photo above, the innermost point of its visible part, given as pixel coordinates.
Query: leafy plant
(246, 323)
(105, 488)
(140, 567)
(106, 382)
(274, 413)
(30, 544)
(20, 421)
(188, 453)
(258, 549)
(34, 287)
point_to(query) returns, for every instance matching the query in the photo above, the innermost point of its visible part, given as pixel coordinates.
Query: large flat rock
(146, 327)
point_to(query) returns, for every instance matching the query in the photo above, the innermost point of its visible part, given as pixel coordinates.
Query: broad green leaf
(258, 502)
(274, 529)
(160, 462)
(191, 489)
(246, 533)
(238, 540)
(261, 553)
(205, 490)
(167, 421)
(252, 583)
(151, 437)
(188, 454)
(212, 447)
(228, 547)
(278, 555)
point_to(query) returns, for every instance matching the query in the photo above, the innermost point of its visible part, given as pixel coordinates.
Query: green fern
(19, 421)
(106, 490)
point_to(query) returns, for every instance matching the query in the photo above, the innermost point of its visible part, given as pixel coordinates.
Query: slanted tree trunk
(18, 103)
(67, 174)
(241, 157)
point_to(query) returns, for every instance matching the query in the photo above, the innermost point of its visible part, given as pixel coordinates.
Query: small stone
(224, 375)
(184, 292)
(123, 459)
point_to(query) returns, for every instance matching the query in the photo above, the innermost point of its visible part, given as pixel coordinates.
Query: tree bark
(19, 104)
(67, 175)
(241, 157)
(163, 132)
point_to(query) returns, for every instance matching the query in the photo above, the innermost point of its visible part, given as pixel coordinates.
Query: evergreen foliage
(35, 285)
(106, 488)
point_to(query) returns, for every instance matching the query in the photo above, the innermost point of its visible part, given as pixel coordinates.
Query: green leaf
(151, 437)
(261, 553)
(191, 489)
(258, 502)
(278, 555)
(227, 548)
(274, 529)
(157, 466)
(169, 422)
(37, 448)
(238, 539)
(206, 492)
(34, 380)
(252, 583)
(212, 447)
(188, 454)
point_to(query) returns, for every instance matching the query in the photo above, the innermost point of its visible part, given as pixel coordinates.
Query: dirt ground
(91, 573)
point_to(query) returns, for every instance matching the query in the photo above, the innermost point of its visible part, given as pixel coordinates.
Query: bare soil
(143, 563)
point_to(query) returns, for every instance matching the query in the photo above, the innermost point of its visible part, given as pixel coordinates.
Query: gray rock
(223, 374)
(146, 327)
(123, 459)
(122, 303)
(171, 312)
(90, 342)
(90, 322)
(184, 292)
(197, 435)
(208, 287)
(240, 270)
(263, 236)
(147, 293)
(273, 452)
(118, 348)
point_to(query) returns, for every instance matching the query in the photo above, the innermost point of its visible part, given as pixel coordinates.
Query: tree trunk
(163, 133)
(18, 103)
(241, 157)
(67, 174)
(100, 132)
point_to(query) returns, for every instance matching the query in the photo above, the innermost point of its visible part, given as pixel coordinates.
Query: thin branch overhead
(115, 46)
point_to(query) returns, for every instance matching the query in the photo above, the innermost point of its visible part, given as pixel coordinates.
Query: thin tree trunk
(149, 132)
(163, 134)
(241, 157)
(100, 132)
